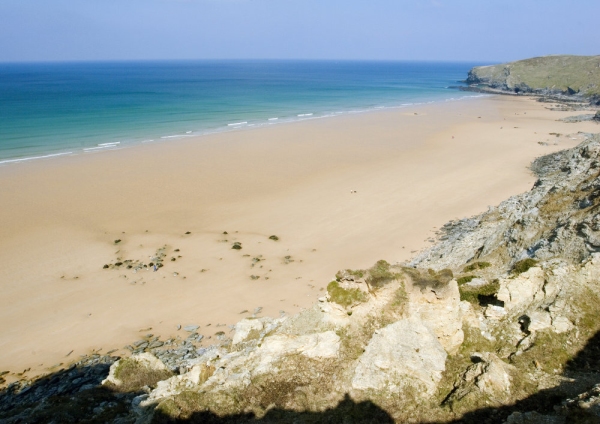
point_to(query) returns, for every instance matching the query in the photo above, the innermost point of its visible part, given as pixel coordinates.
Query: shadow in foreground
(347, 411)
(75, 395)
(584, 369)
(72, 395)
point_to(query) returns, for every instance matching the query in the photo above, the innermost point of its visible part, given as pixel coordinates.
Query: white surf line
(114, 143)
(305, 114)
(237, 123)
(172, 136)
(35, 157)
(273, 119)
(89, 149)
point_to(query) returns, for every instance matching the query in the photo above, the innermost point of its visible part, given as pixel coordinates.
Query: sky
(445, 30)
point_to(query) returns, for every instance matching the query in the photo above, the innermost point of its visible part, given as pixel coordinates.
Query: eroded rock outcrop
(557, 218)
(405, 353)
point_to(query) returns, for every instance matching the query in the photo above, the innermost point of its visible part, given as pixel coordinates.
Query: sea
(76, 108)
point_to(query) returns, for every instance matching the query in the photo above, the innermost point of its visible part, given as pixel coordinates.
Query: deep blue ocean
(50, 109)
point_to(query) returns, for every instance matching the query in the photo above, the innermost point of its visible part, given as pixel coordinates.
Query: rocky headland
(562, 77)
(496, 322)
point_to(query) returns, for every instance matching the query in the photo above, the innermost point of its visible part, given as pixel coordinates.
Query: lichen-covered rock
(539, 320)
(488, 376)
(523, 291)
(317, 345)
(403, 353)
(439, 309)
(243, 329)
(144, 360)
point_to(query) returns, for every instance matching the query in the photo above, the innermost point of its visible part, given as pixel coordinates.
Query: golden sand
(339, 192)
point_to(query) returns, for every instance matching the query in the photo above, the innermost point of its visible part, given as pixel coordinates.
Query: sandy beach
(339, 192)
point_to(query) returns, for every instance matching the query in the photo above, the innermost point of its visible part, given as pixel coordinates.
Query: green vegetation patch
(376, 276)
(523, 265)
(400, 298)
(429, 278)
(466, 279)
(356, 273)
(476, 265)
(476, 295)
(345, 297)
(380, 274)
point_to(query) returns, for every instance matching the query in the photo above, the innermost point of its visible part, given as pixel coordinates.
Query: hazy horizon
(386, 30)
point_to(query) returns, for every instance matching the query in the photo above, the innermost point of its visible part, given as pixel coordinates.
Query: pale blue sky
(462, 30)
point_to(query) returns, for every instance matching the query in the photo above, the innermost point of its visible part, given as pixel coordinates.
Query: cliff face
(576, 76)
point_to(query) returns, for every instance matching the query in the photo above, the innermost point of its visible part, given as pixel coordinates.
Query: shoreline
(412, 170)
(223, 128)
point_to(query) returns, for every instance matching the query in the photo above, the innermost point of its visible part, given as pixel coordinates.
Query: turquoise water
(78, 108)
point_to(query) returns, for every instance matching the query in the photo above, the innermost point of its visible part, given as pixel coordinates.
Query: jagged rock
(403, 353)
(543, 223)
(438, 308)
(489, 375)
(244, 328)
(521, 292)
(561, 324)
(494, 312)
(586, 405)
(197, 375)
(539, 320)
(319, 345)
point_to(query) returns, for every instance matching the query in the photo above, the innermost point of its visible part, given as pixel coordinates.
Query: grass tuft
(466, 279)
(523, 265)
(481, 294)
(380, 274)
(476, 265)
(345, 297)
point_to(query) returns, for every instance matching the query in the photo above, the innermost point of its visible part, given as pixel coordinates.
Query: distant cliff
(561, 75)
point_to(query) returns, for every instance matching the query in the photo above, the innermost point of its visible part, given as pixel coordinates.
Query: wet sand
(340, 192)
